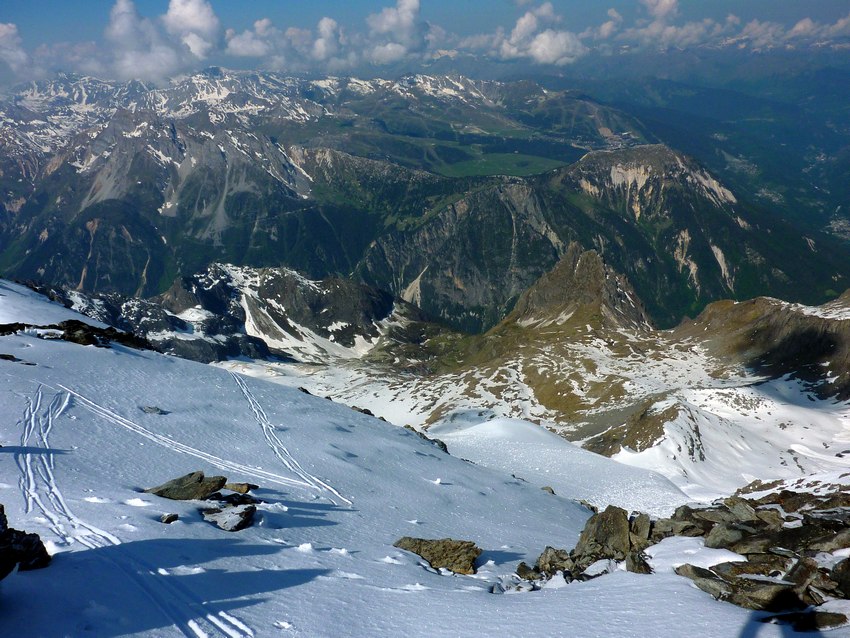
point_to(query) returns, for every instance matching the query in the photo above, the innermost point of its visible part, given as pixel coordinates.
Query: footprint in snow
(136, 502)
(415, 522)
(390, 560)
(282, 624)
(96, 499)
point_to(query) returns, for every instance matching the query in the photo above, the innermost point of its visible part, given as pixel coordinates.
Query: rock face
(607, 536)
(17, 548)
(447, 553)
(193, 486)
(231, 518)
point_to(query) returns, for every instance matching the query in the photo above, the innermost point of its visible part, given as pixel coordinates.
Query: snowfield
(338, 488)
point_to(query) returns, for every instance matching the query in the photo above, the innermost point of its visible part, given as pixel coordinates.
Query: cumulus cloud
(11, 48)
(605, 30)
(661, 9)
(194, 22)
(529, 39)
(397, 32)
(138, 49)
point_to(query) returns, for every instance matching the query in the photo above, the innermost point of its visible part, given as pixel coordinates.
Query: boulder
(194, 486)
(773, 568)
(740, 508)
(765, 595)
(552, 561)
(168, 519)
(636, 562)
(455, 555)
(232, 518)
(841, 575)
(723, 536)
(809, 621)
(705, 580)
(17, 548)
(605, 535)
(241, 488)
(527, 573)
(639, 529)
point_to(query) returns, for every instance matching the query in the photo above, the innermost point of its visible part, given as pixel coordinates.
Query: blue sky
(156, 39)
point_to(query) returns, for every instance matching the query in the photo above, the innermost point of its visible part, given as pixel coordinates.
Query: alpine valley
(391, 311)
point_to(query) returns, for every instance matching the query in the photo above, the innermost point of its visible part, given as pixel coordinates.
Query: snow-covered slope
(338, 489)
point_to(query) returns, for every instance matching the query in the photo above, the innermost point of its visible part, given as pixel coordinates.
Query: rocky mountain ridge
(123, 188)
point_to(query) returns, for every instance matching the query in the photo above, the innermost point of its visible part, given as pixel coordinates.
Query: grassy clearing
(515, 164)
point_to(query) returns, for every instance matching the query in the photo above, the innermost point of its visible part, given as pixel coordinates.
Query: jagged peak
(580, 281)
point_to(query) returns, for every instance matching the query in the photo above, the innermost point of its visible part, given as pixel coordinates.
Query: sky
(154, 40)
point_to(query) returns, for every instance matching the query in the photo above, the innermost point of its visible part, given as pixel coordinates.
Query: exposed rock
(436, 442)
(527, 573)
(605, 535)
(235, 498)
(809, 620)
(454, 555)
(194, 486)
(168, 519)
(771, 518)
(841, 575)
(152, 409)
(761, 565)
(723, 536)
(242, 488)
(765, 595)
(639, 529)
(740, 508)
(231, 518)
(636, 562)
(548, 489)
(552, 560)
(705, 580)
(19, 548)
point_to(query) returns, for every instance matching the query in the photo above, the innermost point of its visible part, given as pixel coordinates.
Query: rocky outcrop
(193, 486)
(609, 535)
(231, 518)
(445, 553)
(19, 549)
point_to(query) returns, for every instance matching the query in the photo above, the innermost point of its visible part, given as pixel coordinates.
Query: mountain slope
(336, 490)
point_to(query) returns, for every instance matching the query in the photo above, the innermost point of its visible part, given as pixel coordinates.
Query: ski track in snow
(279, 448)
(40, 490)
(176, 446)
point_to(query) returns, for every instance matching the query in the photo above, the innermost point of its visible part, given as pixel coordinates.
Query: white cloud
(247, 44)
(139, 50)
(555, 47)
(528, 39)
(327, 45)
(397, 32)
(606, 29)
(11, 48)
(194, 22)
(661, 9)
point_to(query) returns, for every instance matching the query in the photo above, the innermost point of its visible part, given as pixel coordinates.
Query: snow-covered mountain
(337, 488)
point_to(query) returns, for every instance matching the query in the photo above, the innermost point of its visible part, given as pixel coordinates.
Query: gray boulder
(194, 486)
(605, 535)
(705, 580)
(454, 555)
(232, 518)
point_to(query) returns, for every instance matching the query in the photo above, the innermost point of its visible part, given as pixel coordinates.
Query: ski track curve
(167, 442)
(41, 492)
(280, 450)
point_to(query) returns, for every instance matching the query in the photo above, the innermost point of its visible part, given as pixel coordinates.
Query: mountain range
(452, 194)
